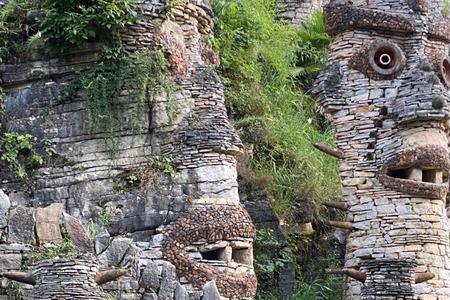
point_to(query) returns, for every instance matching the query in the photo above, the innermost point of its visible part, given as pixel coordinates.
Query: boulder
(150, 277)
(210, 291)
(101, 242)
(181, 293)
(78, 234)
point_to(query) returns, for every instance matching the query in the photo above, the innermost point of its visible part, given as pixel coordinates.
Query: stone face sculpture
(197, 138)
(385, 89)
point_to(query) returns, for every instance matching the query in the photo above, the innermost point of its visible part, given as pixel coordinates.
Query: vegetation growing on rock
(267, 68)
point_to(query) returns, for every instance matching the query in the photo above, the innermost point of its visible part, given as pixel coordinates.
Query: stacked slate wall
(385, 90)
(191, 128)
(298, 11)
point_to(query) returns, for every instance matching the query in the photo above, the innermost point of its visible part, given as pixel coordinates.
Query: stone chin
(421, 171)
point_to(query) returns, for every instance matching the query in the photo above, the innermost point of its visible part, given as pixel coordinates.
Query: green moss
(445, 7)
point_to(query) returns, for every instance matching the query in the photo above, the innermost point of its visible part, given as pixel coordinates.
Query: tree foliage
(75, 22)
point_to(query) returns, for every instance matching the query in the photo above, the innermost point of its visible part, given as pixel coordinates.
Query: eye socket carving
(445, 71)
(386, 58)
(380, 60)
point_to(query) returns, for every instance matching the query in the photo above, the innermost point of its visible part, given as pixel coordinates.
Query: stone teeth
(433, 176)
(414, 174)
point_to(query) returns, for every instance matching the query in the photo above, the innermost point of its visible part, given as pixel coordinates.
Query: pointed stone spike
(23, 277)
(355, 274)
(110, 275)
(330, 151)
(337, 205)
(422, 277)
(340, 224)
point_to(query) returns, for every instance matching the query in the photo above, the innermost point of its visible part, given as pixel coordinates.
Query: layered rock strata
(190, 128)
(298, 11)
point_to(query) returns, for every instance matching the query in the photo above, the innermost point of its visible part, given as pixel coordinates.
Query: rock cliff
(184, 161)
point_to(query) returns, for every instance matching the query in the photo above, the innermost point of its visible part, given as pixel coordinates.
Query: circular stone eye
(445, 71)
(386, 58)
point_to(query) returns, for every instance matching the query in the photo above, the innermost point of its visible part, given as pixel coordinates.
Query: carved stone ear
(110, 275)
(327, 86)
(23, 277)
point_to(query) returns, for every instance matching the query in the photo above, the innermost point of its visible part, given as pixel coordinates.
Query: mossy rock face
(155, 110)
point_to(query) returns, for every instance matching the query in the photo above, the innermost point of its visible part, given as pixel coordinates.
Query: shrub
(63, 24)
(264, 66)
(18, 152)
(74, 22)
(13, 27)
(271, 255)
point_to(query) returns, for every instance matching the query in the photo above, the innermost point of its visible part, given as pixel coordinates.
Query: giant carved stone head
(385, 89)
(184, 229)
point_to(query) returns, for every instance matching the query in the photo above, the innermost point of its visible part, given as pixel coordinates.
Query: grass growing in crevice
(264, 65)
(267, 69)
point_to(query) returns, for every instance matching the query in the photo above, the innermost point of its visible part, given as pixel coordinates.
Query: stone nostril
(438, 103)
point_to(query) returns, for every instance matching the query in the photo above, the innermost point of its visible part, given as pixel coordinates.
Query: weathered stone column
(385, 89)
(298, 11)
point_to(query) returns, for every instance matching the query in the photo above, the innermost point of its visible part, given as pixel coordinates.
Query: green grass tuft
(264, 65)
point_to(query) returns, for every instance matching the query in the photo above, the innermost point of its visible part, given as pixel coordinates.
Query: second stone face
(389, 104)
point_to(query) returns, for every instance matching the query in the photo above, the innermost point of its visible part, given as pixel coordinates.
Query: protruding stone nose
(425, 66)
(423, 95)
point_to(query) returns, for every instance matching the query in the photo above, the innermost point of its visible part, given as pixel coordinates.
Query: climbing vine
(136, 78)
(22, 155)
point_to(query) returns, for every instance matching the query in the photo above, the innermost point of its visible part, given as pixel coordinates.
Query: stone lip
(418, 171)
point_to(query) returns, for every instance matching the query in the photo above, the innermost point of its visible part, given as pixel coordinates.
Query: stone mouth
(419, 171)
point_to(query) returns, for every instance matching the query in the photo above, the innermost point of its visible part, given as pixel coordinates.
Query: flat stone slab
(21, 225)
(5, 205)
(47, 224)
